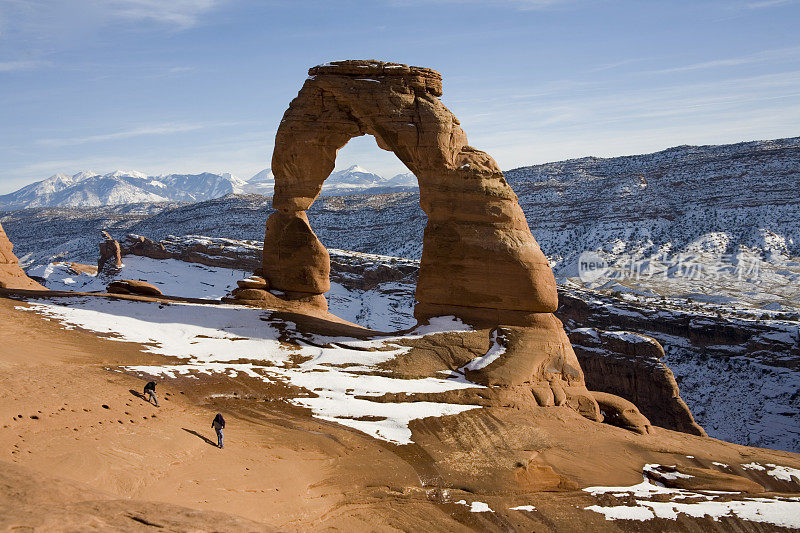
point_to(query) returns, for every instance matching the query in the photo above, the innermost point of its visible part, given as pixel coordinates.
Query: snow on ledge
(776, 511)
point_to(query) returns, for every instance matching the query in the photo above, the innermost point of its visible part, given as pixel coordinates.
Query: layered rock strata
(11, 274)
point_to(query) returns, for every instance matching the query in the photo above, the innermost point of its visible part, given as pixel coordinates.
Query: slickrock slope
(11, 275)
(490, 468)
(41, 502)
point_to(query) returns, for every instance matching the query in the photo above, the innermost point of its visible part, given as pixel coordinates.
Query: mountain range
(89, 189)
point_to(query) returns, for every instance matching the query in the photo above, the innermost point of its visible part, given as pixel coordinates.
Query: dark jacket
(151, 386)
(218, 422)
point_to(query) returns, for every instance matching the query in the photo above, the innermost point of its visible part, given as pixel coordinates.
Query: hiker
(218, 424)
(150, 392)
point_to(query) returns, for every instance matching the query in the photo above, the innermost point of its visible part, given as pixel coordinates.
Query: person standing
(218, 424)
(150, 392)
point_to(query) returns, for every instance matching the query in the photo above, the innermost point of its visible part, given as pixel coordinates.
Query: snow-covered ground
(655, 501)
(734, 396)
(173, 277)
(388, 308)
(334, 373)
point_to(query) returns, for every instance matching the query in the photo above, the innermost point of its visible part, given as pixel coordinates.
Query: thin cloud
(180, 13)
(517, 4)
(769, 3)
(617, 64)
(11, 66)
(160, 129)
(779, 54)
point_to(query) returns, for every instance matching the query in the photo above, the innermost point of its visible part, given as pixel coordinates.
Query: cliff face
(11, 275)
(630, 365)
(739, 373)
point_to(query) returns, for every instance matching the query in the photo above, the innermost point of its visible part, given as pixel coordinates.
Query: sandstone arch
(478, 251)
(480, 261)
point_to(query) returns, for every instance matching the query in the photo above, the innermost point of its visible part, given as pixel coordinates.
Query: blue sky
(200, 85)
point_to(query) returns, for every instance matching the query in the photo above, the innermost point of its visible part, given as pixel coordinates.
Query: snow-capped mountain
(262, 183)
(88, 189)
(352, 180)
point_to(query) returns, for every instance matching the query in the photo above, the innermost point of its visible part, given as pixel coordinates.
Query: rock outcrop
(630, 365)
(478, 251)
(209, 251)
(109, 262)
(625, 364)
(132, 286)
(480, 261)
(11, 274)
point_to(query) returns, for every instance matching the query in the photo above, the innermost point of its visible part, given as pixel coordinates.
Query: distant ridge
(90, 189)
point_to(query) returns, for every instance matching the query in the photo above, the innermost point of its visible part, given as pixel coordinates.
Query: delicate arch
(478, 251)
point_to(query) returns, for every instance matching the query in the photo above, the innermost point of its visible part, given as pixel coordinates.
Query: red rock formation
(132, 286)
(630, 365)
(479, 261)
(477, 251)
(109, 261)
(11, 275)
(210, 251)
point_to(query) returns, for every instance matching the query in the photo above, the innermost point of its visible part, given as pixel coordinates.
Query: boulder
(244, 293)
(253, 282)
(620, 412)
(132, 286)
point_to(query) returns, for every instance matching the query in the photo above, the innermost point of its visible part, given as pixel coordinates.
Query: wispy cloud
(144, 131)
(516, 4)
(779, 54)
(179, 13)
(617, 64)
(49, 19)
(11, 66)
(769, 3)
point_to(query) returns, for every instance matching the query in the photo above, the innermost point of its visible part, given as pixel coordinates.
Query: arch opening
(373, 292)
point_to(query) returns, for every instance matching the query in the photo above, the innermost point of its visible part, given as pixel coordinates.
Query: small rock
(253, 282)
